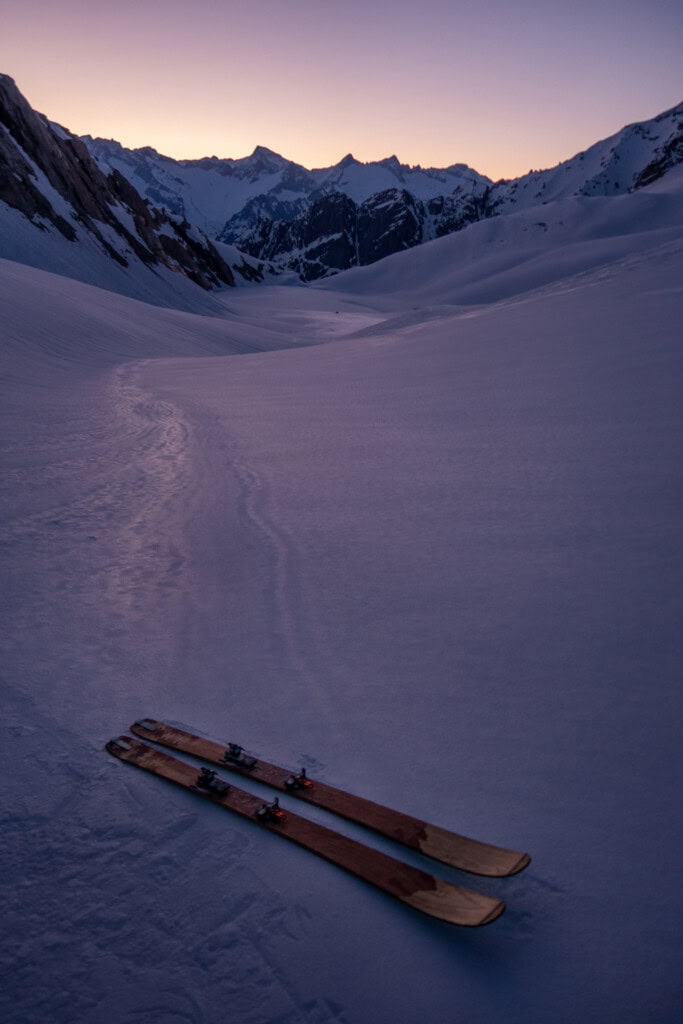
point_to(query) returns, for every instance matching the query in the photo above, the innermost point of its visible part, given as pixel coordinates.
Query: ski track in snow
(132, 506)
(111, 547)
(159, 453)
(257, 508)
(249, 509)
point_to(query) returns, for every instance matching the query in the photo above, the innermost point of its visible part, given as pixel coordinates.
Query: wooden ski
(450, 848)
(418, 889)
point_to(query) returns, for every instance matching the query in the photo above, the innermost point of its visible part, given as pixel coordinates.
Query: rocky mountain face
(314, 222)
(48, 175)
(322, 221)
(333, 233)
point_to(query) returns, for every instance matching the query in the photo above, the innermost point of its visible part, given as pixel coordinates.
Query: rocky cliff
(49, 176)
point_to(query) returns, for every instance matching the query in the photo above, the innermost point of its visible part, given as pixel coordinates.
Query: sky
(504, 87)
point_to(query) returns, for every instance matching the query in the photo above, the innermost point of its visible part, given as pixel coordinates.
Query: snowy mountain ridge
(318, 222)
(151, 227)
(215, 189)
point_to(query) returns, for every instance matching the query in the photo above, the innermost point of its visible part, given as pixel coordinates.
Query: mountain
(60, 211)
(211, 191)
(142, 224)
(318, 222)
(314, 222)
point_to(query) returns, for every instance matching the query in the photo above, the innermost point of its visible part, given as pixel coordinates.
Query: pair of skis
(433, 896)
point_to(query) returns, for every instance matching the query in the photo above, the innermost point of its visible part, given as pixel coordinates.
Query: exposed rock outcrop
(334, 233)
(50, 177)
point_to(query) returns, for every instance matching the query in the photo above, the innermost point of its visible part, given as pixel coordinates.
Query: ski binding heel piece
(209, 781)
(271, 812)
(235, 755)
(300, 781)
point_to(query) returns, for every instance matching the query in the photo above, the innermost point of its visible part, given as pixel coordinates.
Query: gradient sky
(501, 85)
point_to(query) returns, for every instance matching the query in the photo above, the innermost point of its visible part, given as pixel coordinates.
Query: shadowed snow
(417, 530)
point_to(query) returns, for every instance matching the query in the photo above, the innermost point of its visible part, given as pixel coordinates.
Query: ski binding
(209, 781)
(271, 812)
(235, 755)
(300, 781)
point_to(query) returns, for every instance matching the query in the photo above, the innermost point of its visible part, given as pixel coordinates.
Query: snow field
(436, 560)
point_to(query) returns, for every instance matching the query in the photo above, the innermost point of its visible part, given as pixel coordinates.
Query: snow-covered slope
(436, 560)
(84, 259)
(499, 257)
(634, 157)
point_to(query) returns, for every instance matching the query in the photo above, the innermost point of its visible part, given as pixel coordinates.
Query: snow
(210, 193)
(609, 167)
(360, 181)
(208, 197)
(417, 529)
(86, 260)
(498, 258)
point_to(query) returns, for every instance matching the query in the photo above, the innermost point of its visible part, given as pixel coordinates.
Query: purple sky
(502, 86)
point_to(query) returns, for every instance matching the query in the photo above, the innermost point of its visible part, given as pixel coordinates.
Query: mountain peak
(392, 163)
(262, 160)
(263, 151)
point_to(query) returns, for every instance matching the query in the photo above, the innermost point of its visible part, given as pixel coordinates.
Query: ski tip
(506, 866)
(469, 854)
(523, 862)
(493, 915)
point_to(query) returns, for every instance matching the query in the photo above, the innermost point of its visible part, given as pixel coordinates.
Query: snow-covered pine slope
(60, 212)
(318, 222)
(439, 563)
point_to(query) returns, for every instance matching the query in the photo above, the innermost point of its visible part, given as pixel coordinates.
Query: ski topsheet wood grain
(450, 848)
(418, 889)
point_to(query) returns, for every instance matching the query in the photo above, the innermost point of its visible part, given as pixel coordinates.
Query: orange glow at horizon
(209, 79)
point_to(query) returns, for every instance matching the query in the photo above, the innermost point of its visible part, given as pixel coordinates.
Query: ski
(418, 889)
(448, 847)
